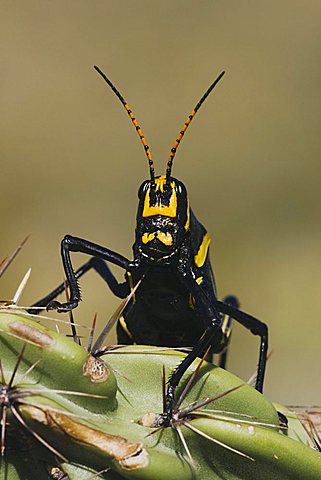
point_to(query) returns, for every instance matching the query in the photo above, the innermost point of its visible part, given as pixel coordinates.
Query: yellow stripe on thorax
(160, 209)
(200, 257)
(188, 217)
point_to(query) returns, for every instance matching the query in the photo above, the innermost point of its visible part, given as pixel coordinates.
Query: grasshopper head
(162, 217)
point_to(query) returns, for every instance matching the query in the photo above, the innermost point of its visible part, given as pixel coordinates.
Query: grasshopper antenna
(135, 123)
(186, 124)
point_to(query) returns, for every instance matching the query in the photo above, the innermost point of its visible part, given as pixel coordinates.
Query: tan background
(71, 162)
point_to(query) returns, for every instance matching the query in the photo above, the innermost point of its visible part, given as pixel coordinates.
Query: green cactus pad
(109, 423)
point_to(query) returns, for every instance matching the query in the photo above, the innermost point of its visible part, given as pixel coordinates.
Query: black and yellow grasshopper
(176, 303)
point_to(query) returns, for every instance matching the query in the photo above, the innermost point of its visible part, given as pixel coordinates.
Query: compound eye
(143, 188)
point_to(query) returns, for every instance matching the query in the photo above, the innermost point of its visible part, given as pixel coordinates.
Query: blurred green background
(71, 161)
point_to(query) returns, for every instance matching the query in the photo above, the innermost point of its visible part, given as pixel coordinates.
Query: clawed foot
(155, 420)
(61, 307)
(164, 420)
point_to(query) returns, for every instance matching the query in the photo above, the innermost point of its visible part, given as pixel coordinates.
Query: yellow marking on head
(200, 257)
(148, 237)
(122, 322)
(159, 209)
(188, 217)
(160, 182)
(165, 238)
(199, 280)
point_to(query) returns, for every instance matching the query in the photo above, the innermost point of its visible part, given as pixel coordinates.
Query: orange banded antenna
(186, 124)
(135, 123)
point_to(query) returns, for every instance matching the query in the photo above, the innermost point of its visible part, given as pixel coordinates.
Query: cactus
(67, 415)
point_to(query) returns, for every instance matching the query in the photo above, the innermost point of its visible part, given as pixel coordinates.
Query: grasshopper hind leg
(227, 325)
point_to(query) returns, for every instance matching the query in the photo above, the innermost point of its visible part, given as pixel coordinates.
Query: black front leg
(211, 336)
(121, 290)
(75, 244)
